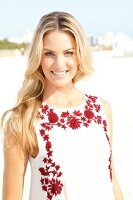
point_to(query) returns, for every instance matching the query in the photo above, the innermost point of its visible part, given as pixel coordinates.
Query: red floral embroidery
(110, 158)
(52, 117)
(89, 114)
(50, 172)
(98, 119)
(77, 113)
(48, 145)
(105, 125)
(93, 98)
(110, 165)
(73, 122)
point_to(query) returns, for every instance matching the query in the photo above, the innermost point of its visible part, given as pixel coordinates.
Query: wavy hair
(20, 122)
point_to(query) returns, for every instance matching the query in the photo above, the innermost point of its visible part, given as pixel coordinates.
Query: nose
(59, 62)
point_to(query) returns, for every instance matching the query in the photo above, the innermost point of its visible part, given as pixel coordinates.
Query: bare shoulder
(107, 106)
(108, 112)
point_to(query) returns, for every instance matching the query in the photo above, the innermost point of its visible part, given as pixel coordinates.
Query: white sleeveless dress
(74, 159)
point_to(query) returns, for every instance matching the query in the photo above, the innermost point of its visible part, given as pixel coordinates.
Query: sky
(97, 17)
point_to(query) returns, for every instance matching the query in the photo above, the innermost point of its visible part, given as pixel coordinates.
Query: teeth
(59, 73)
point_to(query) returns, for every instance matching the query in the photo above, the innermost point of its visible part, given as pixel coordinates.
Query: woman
(65, 134)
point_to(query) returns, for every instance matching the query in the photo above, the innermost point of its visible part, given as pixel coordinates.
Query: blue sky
(96, 16)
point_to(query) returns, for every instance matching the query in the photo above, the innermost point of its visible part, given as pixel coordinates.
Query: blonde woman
(65, 134)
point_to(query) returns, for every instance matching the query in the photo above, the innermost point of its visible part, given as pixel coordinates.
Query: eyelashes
(51, 54)
(69, 53)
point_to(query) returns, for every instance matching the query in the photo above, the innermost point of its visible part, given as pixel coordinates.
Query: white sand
(113, 81)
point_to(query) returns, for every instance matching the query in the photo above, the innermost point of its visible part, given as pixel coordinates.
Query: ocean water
(113, 81)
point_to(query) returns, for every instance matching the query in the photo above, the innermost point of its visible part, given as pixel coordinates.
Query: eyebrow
(45, 49)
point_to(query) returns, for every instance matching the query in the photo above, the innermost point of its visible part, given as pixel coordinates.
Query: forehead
(59, 38)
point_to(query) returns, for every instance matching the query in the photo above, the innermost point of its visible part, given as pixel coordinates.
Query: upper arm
(15, 163)
(108, 112)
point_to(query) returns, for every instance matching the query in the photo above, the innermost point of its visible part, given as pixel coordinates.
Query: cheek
(73, 63)
(43, 66)
(46, 63)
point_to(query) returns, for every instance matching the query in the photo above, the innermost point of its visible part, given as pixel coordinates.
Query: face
(59, 60)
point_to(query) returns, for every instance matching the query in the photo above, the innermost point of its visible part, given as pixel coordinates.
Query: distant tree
(5, 44)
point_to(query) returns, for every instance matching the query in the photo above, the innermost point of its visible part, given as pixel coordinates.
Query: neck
(58, 91)
(63, 97)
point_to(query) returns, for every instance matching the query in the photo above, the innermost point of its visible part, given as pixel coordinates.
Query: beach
(113, 81)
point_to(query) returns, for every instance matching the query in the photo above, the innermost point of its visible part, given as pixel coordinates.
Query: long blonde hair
(21, 119)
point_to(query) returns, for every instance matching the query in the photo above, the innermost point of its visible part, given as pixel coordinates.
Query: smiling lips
(59, 73)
